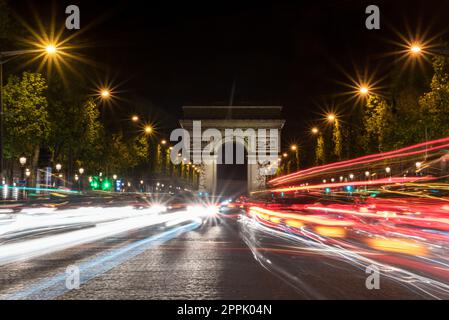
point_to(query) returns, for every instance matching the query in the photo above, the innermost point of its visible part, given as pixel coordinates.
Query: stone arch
(222, 118)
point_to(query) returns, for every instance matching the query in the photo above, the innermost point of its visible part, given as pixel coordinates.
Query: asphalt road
(214, 260)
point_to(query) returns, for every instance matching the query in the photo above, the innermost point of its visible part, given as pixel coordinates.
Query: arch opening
(232, 179)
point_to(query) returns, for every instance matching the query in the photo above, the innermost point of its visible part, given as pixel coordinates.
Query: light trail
(437, 145)
(357, 257)
(104, 222)
(52, 287)
(397, 222)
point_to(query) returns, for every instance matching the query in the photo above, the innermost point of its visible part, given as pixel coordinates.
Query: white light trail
(106, 222)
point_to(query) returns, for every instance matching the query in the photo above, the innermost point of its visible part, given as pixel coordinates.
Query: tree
(89, 150)
(376, 125)
(27, 123)
(435, 103)
(337, 140)
(320, 152)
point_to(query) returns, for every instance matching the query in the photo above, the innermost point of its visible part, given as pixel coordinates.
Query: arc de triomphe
(235, 117)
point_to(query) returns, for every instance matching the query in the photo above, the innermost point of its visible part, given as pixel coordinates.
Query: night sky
(166, 54)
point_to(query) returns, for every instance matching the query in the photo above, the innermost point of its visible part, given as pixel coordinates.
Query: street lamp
(51, 49)
(27, 176)
(418, 49)
(364, 90)
(81, 170)
(294, 148)
(148, 129)
(105, 93)
(415, 49)
(331, 117)
(22, 161)
(135, 118)
(315, 130)
(58, 168)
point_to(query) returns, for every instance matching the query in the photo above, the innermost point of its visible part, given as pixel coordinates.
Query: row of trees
(415, 110)
(65, 124)
(49, 124)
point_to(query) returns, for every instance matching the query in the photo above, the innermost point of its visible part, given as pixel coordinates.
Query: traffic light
(95, 183)
(106, 185)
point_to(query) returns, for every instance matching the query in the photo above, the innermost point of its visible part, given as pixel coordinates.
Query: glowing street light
(135, 118)
(51, 49)
(285, 155)
(148, 129)
(81, 170)
(415, 49)
(105, 93)
(22, 161)
(315, 130)
(364, 90)
(331, 117)
(294, 147)
(164, 142)
(58, 167)
(388, 170)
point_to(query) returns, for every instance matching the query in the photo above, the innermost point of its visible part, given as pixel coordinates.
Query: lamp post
(22, 161)
(27, 176)
(295, 149)
(58, 169)
(388, 171)
(367, 175)
(114, 186)
(81, 172)
(77, 178)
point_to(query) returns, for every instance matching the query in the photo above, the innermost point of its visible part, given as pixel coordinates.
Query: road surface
(209, 258)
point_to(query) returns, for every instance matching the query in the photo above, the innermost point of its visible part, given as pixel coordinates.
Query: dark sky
(168, 54)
